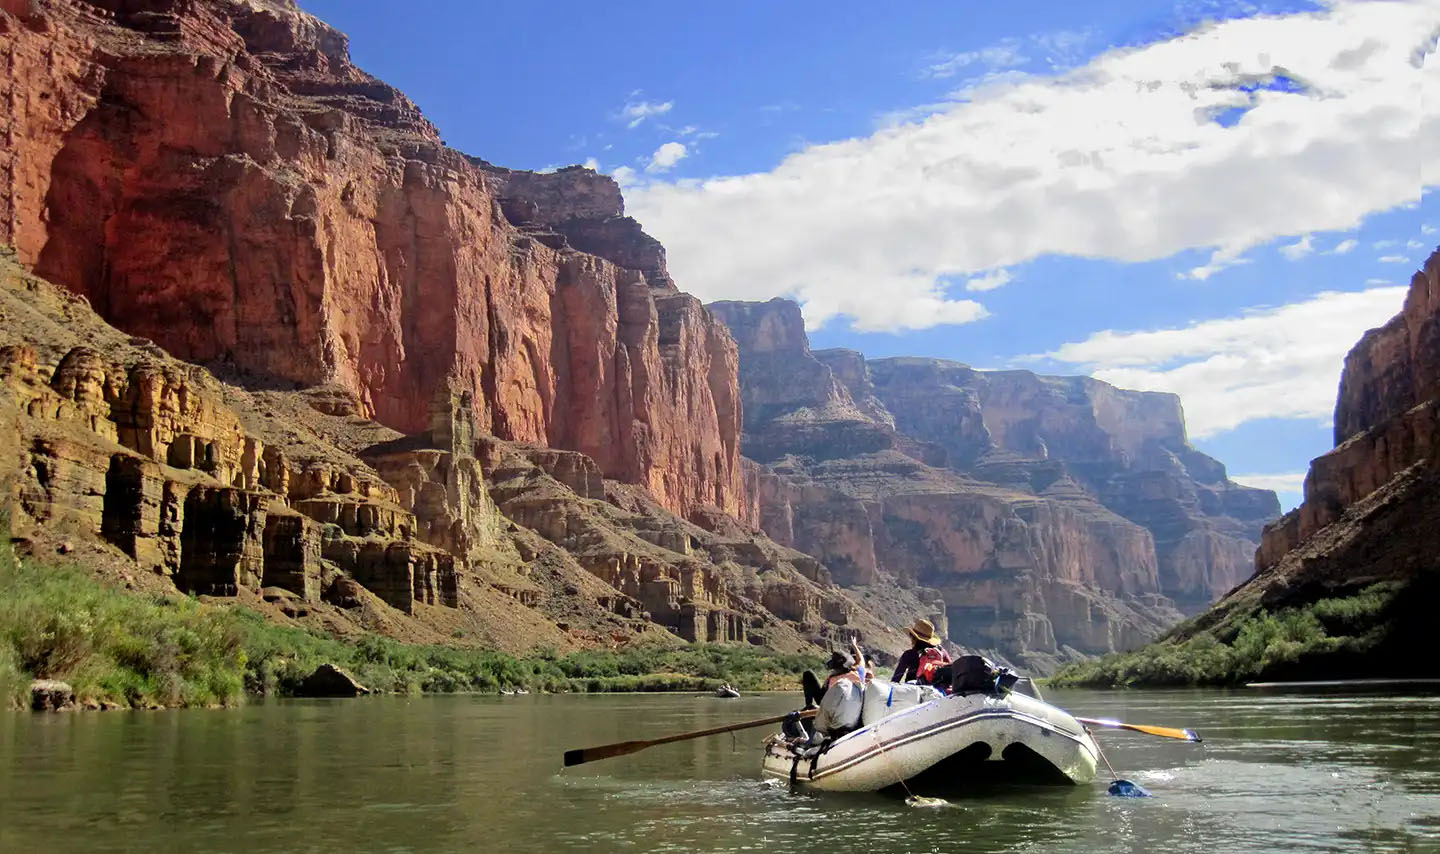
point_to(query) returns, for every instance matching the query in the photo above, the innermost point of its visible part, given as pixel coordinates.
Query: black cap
(840, 662)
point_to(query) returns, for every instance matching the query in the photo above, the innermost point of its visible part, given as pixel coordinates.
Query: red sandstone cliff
(216, 176)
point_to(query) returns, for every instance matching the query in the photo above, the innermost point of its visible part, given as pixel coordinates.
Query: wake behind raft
(885, 735)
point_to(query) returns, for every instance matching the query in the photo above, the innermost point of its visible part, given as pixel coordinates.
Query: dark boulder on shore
(50, 695)
(330, 681)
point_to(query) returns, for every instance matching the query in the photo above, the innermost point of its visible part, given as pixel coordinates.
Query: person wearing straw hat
(926, 657)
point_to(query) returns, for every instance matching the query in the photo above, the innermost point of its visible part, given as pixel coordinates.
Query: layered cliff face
(1053, 516)
(295, 503)
(217, 177)
(1126, 449)
(1387, 432)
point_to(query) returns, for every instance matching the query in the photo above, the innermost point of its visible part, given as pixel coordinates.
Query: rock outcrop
(1387, 429)
(216, 176)
(327, 680)
(1054, 517)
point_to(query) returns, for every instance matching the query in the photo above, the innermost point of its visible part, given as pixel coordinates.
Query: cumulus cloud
(1393, 259)
(634, 113)
(1280, 362)
(592, 163)
(1291, 482)
(625, 176)
(1297, 250)
(1344, 246)
(666, 156)
(989, 281)
(1226, 139)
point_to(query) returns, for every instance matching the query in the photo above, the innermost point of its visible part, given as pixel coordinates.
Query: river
(1292, 770)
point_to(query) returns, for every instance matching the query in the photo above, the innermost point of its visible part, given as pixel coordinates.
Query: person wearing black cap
(839, 665)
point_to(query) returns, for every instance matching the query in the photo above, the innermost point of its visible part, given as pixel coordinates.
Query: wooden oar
(1162, 731)
(606, 751)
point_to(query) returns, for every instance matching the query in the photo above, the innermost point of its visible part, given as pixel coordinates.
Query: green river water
(1292, 771)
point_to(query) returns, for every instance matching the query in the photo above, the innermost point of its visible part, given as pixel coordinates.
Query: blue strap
(890, 699)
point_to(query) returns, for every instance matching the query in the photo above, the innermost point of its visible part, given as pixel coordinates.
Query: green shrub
(1250, 646)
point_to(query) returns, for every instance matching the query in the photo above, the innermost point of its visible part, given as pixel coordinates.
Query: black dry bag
(971, 674)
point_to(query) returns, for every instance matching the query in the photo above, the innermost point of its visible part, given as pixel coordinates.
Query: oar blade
(1162, 731)
(1168, 732)
(581, 755)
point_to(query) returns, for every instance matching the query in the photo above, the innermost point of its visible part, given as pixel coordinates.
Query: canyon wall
(1053, 516)
(216, 176)
(345, 373)
(1387, 436)
(1127, 449)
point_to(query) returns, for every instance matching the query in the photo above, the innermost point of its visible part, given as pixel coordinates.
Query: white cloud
(624, 176)
(666, 156)
(1220, 259)
(634, 113)
(1291, 482)
(1344, 246)
(1414, 244)
(592, 163)
(1057, 49)
(1393, 259)
(1297, 250)
(1281, 362)
(1427, 229)
(1003, 54)
(989, 281)
(1385, 244)
(1116, 160)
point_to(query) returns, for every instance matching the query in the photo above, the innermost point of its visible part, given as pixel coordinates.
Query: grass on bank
(1329, 638)
(60, 622)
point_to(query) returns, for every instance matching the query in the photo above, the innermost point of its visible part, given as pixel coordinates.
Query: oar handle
(606, 751)
(719, 730)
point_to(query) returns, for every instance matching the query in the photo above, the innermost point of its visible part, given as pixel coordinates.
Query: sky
(1204, 197)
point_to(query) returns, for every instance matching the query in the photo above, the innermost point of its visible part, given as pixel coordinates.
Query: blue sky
(1209, 198)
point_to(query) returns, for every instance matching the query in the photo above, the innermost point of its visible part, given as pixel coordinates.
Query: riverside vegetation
(135, 650)
(1367, 633)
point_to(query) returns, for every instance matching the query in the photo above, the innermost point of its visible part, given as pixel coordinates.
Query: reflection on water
(1279, 770)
